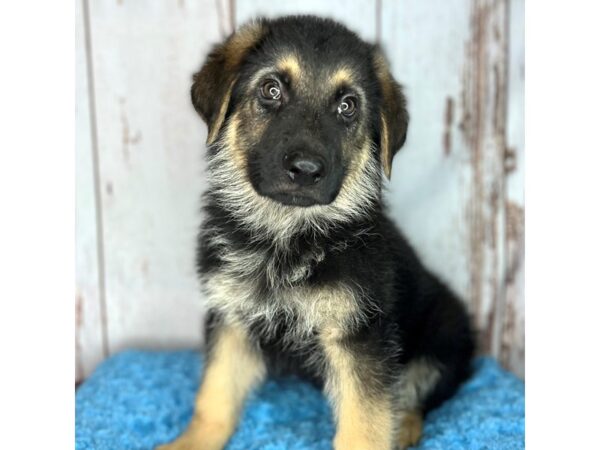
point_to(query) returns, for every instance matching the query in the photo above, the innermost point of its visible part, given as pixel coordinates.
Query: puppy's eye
(271, 90)
(347, 106)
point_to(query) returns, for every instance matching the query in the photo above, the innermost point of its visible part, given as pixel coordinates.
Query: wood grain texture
(456, 190)
(430, 184)
(359, 15)
(512, 346)
(450, 186)
(89, 339)
(151, 165)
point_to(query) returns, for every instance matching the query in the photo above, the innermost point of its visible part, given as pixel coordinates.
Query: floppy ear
(393, 115)
(212, 86)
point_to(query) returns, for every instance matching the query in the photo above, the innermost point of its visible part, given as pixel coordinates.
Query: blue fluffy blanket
(136, 400)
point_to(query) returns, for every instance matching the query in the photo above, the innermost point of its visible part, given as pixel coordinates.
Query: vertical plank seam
(232, 14)
(501, 307)
(506, 359)
(378, 8)
(222, 18)
(97, 178)
(486, 210)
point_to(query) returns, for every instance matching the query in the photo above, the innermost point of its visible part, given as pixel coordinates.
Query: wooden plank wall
(457, 186)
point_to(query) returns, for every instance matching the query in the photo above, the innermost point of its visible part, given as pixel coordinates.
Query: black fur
(419, 314)
(409, 313)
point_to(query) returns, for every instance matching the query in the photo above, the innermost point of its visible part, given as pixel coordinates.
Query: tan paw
(411, 428)
(203, 436)
(344, 444)
(358, 440)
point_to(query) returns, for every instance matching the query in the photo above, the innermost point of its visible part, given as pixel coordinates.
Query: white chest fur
(302, 310)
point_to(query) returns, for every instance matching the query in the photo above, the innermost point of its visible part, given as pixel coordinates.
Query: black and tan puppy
(303, 271)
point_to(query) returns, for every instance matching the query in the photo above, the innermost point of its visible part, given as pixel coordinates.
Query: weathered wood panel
(484, 129)
(426, 45)
(512, 350)
(456, 186)
(449, 189)
(151, 153)
(89, 339)
(359, 15)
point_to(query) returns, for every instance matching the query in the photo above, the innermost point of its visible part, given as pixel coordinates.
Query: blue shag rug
(137, 400)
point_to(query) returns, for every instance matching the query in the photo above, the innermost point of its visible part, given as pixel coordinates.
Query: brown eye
(347, 106)
(271, 90)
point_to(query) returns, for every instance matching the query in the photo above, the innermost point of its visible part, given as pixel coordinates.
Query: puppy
(303, 271)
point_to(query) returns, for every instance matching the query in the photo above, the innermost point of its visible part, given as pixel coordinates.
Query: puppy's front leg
(233, 368)
(364, 413)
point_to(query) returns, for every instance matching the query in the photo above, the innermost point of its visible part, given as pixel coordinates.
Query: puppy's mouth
(286, 193)
(295, 199)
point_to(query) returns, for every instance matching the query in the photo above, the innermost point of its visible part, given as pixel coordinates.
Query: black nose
(303, 169)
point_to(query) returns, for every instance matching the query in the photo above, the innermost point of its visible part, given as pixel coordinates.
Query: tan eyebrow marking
(342, 76)
(290, 64)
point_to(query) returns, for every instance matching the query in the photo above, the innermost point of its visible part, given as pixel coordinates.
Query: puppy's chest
(275, 294)
(270, 267)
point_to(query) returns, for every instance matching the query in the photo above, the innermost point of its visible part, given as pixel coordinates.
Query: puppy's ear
(393, 116)
(212, 86)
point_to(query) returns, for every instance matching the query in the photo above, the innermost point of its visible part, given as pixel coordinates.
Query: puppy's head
(303, 117)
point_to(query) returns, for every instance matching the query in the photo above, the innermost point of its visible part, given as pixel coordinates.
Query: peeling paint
(78, 310)
(482, 125)
(515, 239)
(473, 117)
(510, 160)
(449, 118)
(127, 138)
(512, 348)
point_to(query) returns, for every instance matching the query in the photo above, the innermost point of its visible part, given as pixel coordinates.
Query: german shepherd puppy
(303, 271)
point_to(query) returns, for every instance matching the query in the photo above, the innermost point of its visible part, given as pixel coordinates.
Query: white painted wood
(88, 339)
(449, 191)
(448, 183)
(151, 151)
(513, 332)
(515, 127)
(358, 15)
(425, 43)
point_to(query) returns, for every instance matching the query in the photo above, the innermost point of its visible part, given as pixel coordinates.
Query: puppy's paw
(361, 441)
(411, 428)
(202, 436)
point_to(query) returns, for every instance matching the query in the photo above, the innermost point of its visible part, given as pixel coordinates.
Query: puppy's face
(306, 115)
(303, 110)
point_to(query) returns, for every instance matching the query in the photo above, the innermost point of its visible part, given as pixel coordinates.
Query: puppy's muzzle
(297, 174)
(304, 169)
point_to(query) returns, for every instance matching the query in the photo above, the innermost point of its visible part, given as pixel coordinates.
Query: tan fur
(250, 289)
(234, 50)
(233, 369)
(218, 123)
(418, 379)
(238, 155)
(386, 159)
(387, 83)
(239, 43)
(228, 176)
(290, 65)
(341, 76)
(410, 428)
(305, 310)
(364, 422)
